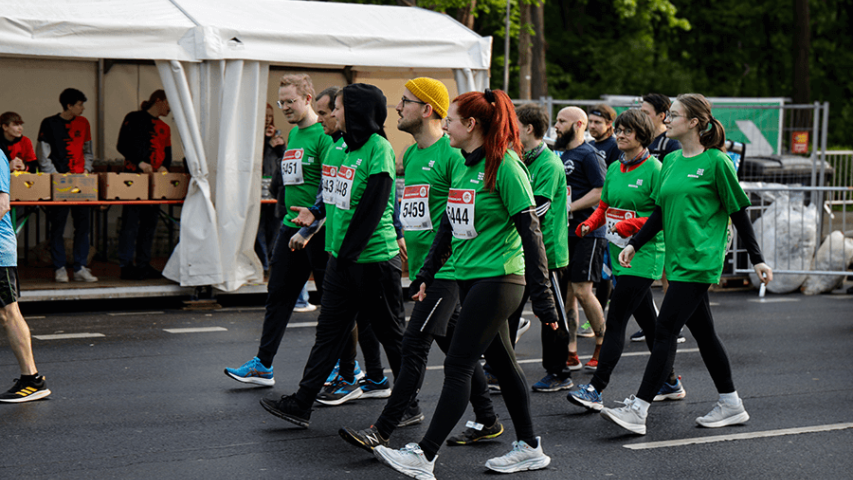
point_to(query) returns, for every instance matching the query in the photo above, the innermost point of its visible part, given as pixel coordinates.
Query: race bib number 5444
(460, 212)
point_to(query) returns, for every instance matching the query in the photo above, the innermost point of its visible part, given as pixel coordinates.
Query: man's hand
(626, 256)
(404, 253)
(298, 242)
(145, 167)
(17, 165)
(764, 272)
(421, 295)
(305, 217)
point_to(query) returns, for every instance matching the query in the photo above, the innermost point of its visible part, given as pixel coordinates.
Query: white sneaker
(523, 326)
(409, 460)
(629, 417)
(724, 415)
(84, 275)
(308, 308)
(522, 457)
(61, 275)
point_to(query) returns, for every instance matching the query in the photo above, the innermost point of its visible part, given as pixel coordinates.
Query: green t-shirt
(548, 177)
(301, 168)
(429, 172)
(485, 241)
(374, 157)
(697, 195)
(334, 156)
(631, 192)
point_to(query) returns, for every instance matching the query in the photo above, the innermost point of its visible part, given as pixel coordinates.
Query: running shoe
(669, 391)
(724, 415)
(681, 338)
(307, 308)
(586, 396)
(585, 330)
(84, 275)
(367, 439)
(552, 383)
(413, 416)
(287, 408)
(409, 460)
(522, 457)
(371, 389)
(574, 363)
(523, 326)
(494, 386)
(591, 365)
(254, 372)
(61, 275)
(26, 390)
(476, 432)
(335, 371)
(638, 337)
(629, 417)
(339, 392)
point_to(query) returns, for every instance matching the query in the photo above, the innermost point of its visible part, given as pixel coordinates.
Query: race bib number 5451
(460, 212)
(291, 167)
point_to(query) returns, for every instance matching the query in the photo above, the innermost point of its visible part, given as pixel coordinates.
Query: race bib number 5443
(460, 212)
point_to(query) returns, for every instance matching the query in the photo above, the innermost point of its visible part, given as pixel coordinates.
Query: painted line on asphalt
(302, 325)
(34, 317)
(739, 436)
(125, 314)
(64, 336)
(195, 330)
(773, 300)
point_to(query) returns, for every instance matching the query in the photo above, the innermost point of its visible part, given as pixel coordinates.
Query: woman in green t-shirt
(625, 206)
(490, 224)
(697, 193)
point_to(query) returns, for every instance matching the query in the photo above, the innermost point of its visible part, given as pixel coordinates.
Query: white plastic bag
(835, 253)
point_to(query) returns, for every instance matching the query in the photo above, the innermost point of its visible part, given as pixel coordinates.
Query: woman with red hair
(491, 228)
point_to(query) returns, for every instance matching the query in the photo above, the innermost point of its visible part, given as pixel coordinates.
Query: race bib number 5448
(460, 212)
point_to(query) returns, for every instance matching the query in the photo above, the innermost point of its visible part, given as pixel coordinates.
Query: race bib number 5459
(414, 209)
(460, 212)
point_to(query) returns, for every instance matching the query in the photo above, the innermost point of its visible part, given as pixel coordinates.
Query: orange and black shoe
(26, 389)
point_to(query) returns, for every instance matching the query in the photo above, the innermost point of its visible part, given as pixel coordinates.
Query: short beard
(409, 126)
(607, 133)
(565, 139)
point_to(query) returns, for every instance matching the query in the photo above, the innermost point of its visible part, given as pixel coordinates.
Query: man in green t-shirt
(294, 257)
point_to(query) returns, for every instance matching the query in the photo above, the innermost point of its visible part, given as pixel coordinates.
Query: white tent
(213, 58)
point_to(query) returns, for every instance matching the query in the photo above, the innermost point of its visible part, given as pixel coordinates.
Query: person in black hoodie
(269, 223)
(363, 274)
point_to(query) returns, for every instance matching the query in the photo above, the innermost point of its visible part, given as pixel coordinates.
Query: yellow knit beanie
(432, 92)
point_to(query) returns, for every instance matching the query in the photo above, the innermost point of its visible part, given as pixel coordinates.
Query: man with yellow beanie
(429, 165)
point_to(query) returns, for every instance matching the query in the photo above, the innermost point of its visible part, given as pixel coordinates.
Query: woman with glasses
(490, 224)
(625, 206)
(697, 193)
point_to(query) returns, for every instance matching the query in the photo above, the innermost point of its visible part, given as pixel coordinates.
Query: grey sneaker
(523, 326)
(61, 275)
(629, 417)
(522, 457)
(724, 415)
(409, 460)
(585, 330)
(84, 275)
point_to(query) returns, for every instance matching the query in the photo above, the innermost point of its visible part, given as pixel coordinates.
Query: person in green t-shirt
(490, 215)
(294, 257)
(625, 206)
(697, 193)
(363, 274)
(429, 165)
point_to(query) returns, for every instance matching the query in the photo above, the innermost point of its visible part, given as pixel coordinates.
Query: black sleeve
(167, 160)
(536, 265)
(543, 205)
(367, 215)
(439, 252)
(651, 228)
(132, 143)
(740, 219)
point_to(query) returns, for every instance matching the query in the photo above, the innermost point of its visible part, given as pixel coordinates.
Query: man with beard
(585, 179)
(601, 119)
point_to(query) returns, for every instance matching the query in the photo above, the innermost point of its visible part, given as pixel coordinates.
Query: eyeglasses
(289, 103)
(625, 131)
(672, 116)
(405, 100)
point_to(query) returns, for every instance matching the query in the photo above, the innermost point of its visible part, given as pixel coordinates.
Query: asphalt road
(140, 402)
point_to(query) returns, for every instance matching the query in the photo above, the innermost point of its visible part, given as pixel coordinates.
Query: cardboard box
(75, 187)
(169, 186)
(124, 186)
(29, 187)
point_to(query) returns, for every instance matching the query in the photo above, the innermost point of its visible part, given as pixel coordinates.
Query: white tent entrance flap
(215, 105)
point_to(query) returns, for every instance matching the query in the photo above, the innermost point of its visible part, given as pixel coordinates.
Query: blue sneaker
(252, 371)
(586, 396)
(552, 383)
(339, 391)
(674, 391)
(371, 389)
(337, 370)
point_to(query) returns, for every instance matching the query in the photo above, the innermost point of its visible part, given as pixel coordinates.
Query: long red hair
(495, 114)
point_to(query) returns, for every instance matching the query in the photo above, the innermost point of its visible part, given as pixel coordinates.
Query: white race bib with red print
(330, 175)
(291, 167)
(460, 212)
(343, 187)
(414, 209)
(569, 201)
(614, 216)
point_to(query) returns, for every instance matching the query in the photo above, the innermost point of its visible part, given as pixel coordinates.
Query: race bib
(343, 187)
(330, 175)
(414, 210)
(614, 216)
(460, 212)
(569, 200)
(291, 167)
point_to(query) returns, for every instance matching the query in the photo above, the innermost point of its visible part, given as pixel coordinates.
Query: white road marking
(195, 330)
(33, 317)
(302, 325)
(63, 336)
(739, 436)
(773, 300)
(124, 314)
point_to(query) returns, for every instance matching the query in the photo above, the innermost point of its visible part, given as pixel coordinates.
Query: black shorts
(587, 256)
(9, 286)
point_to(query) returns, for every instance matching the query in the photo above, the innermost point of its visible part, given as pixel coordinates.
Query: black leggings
(685, 303)
(486, 304)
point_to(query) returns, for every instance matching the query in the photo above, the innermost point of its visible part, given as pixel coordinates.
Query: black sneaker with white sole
(287, 408)
(476, 432)
(26, 389)
(365, 439)
(413, 416)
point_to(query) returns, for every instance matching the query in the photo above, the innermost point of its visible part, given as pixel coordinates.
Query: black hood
(365, 110)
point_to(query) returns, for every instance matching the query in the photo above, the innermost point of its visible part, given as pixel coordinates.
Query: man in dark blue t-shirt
(656, 106)
(601, 119)
(585, 179)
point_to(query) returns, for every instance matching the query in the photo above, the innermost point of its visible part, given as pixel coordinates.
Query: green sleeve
(513, 185)
(382, 158)
(731, 194)
(547, 181)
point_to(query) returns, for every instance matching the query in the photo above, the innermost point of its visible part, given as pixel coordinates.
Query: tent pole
(101, 110)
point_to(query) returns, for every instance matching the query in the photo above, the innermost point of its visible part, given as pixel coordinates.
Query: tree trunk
(525, 52)
(465, 16)
(802, 44)
(539, 80)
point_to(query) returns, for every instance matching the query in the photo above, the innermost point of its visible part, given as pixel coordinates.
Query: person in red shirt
(65, 146)
(146, 143)
(17, 147)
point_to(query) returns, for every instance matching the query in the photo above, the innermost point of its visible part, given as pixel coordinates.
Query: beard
(409, 126)
(563, 140)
